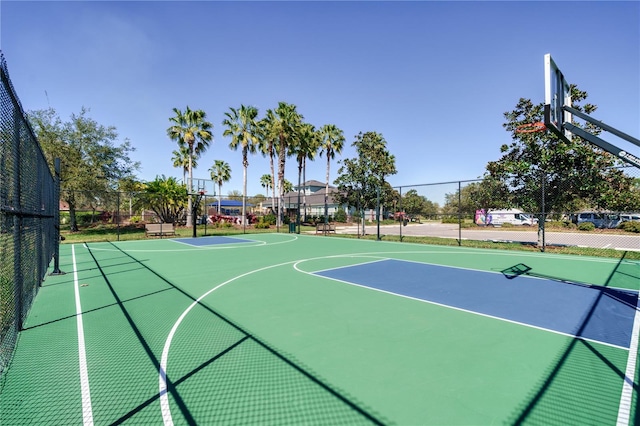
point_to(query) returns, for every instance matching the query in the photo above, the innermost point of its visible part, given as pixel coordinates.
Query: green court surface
(256, 331)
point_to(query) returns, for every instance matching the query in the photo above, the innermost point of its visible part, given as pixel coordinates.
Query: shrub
(586, 226)
(269, 219)
(261, 225)
(630, 226)
(450, 219)
(560, 224)
(340, 216)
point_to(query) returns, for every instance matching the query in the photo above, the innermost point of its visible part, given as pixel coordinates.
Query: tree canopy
(166, 197)
(92, 160)
(361, 178)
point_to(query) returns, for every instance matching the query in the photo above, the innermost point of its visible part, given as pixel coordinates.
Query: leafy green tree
(190, 128)
(234, 194)
(282, 125)
(220, 173)
(331, 143)
(361, 178)
(413, 203)
(540, 167)
(242, 126)
(92, 161)
(257, 199)
(166, 198)
(131, 188)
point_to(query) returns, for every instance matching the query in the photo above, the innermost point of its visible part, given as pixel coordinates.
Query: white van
(512, 216)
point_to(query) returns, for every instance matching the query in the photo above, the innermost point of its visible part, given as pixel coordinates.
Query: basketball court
(281, 328)
(299, 329)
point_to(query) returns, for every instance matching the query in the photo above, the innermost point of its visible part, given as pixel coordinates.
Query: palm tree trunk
(326, 191)
(281, 164)
(245, 164)
(299, 175)
(189, 187)
(304, 193)
(273, 184)
(219, 198)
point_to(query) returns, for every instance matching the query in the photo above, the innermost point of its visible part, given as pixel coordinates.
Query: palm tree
(267, 147)
(242, 126)
(220, 173)
(181, 159)
(282, 125)
(331, 143)
(306, 147)
(287, 186)
(190, 128)
(266, 182)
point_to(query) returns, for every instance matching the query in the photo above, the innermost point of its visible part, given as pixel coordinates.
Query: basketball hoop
(538, 126)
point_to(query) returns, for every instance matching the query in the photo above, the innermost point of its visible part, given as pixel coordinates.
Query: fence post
(56, 219)
(543, 218)
(459, 213)
(400, 210)
(378, 211)
(118, 214)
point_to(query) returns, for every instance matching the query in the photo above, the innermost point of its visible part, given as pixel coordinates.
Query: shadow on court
(584, 374)
(242, 380)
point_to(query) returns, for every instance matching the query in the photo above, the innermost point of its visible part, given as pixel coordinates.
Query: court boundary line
(461, 309)
(223, 245)
(212, 247)
(162, 364)
(85, 389)
(626, 397)
(374, 254)
(500, 252)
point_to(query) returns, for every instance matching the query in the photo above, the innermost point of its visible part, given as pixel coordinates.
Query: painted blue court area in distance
(596, 313)
(210, 241)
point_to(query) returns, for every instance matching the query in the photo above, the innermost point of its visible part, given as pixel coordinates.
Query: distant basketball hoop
(538, 126)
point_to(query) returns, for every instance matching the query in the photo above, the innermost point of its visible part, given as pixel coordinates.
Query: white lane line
(624, 409)
(87, 410)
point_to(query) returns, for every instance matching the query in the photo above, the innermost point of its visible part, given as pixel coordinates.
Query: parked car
(630, 217)
(599, 220)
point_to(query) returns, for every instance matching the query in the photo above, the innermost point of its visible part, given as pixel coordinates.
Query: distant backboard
(556, 95)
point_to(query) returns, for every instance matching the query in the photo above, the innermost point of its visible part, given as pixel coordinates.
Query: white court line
(624, 410)
(162, 376)
(201, 248)
(87, 410)
(456, 308)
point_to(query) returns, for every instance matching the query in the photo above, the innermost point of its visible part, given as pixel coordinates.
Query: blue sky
(434, 78)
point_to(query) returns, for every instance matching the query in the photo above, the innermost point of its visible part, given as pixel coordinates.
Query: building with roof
(312, 198)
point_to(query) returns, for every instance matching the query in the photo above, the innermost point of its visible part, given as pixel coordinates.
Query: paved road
(615, 241)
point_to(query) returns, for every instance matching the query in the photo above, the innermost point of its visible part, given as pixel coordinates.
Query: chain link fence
(464, 211)
(28, 214)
